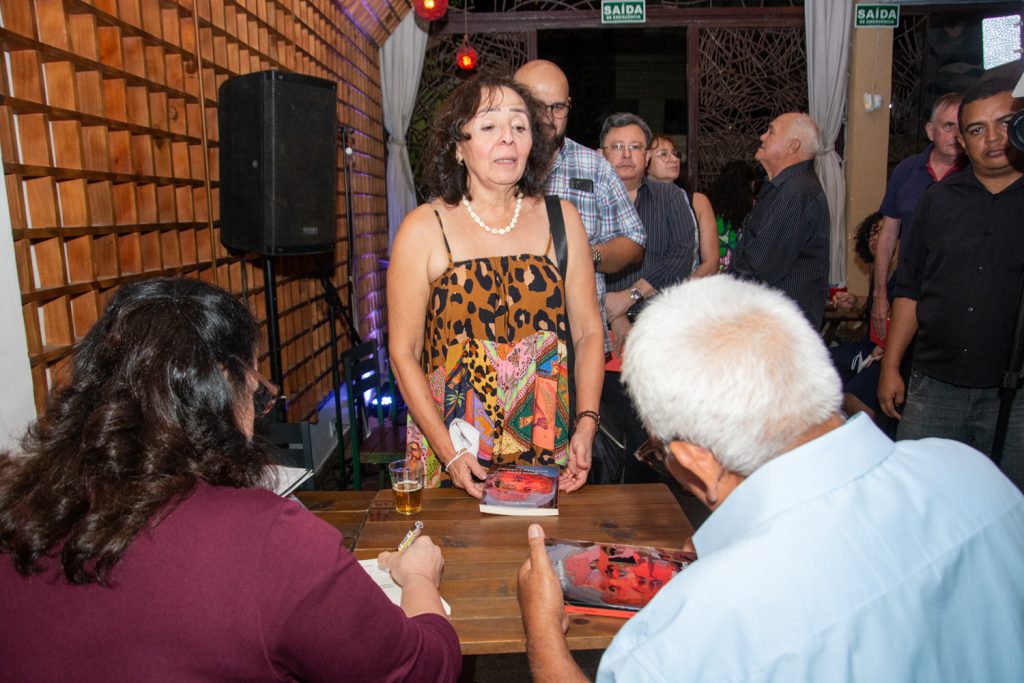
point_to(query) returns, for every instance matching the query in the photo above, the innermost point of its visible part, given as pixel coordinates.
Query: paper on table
(289, 478)
(391, 589)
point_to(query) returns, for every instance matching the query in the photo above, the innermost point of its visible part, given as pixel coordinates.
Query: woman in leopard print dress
(478, 314)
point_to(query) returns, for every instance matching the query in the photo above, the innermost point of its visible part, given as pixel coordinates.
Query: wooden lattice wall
(108, 129)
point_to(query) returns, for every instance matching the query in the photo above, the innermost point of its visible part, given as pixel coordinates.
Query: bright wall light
(1000, 40)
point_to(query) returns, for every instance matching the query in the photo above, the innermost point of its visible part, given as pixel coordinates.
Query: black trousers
(621, 419)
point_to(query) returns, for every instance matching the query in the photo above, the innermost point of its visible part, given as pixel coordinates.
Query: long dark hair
(149, 411)
(732, 193)
(447, 178)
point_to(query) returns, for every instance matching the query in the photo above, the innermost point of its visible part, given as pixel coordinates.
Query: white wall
(17, 406)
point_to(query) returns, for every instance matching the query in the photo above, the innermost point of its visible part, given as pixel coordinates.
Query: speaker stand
(334, 309)
(346, 169)
(273, 336)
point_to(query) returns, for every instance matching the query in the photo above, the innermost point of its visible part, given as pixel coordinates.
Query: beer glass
(407, 485)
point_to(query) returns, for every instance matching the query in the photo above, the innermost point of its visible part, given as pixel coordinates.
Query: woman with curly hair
(479, 313)
(858, 361)
(138, 545)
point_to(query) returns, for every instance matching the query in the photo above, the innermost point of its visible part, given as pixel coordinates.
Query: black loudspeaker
(278, 163)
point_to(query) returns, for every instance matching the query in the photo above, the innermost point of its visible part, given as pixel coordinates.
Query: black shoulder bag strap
(556, 223)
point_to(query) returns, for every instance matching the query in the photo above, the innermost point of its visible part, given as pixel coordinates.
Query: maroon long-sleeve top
(232, 585)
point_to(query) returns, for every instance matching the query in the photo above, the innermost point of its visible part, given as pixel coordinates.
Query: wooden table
(483, 552)
(346, 511)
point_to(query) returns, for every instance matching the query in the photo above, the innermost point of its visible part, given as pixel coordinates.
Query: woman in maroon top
(138, 547)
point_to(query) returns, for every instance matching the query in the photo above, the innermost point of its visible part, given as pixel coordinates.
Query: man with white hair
(785, 241)
(831, 554)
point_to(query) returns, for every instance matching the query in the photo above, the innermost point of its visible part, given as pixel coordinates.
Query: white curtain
(827, 24)
(401, 61)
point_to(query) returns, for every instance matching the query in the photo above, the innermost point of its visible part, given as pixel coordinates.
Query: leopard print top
(495, 356)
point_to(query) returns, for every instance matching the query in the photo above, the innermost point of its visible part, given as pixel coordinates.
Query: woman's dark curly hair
(150, 410)
(860, 244)
(447, 178)
(732, 193)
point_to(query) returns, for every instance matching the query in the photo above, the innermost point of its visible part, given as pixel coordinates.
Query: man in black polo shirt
(784, 242)
(957, 290)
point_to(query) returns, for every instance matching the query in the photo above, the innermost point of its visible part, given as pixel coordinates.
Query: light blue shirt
(850, 558)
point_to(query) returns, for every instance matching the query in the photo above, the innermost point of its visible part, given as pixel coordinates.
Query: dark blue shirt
(906, 186)
(671, 238)
(785, 239)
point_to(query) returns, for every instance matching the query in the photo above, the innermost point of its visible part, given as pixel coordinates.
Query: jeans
(965, 414)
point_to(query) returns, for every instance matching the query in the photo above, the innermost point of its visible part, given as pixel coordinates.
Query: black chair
(293, 445)
(370, 443)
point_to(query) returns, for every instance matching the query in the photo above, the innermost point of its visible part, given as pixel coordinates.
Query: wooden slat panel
(116, 85)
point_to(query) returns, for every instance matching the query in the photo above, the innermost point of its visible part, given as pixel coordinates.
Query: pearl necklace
(495, 231)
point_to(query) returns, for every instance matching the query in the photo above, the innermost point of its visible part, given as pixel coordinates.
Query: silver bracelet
(452, 461)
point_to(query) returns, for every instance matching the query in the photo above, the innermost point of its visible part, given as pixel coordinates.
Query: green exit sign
(623, 11)
(876, 16)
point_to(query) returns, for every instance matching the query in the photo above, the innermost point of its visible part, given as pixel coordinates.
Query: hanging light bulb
(466, 57)
(430, 10)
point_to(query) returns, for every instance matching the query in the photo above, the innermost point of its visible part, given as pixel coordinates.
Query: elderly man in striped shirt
(785, 242)
(669, 258)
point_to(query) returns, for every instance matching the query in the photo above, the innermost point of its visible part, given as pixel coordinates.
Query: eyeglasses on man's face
(620, 147)
(558, 110)
(666, 153)
(654, 453)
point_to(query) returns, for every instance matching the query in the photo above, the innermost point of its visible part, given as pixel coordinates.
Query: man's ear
(696, 460)
(794, 146)
(929, 130)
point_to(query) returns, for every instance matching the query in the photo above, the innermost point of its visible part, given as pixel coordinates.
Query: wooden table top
(346, 511)
(483, 552)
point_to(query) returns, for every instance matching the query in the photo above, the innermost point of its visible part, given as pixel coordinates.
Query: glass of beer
(407, 485)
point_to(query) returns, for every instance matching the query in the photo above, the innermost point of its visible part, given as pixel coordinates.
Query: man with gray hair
(942, 158)
(832, 553)
(785, 240)
(669, 257)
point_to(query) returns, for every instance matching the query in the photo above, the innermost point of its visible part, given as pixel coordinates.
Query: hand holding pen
(414, 557)
(411, 537)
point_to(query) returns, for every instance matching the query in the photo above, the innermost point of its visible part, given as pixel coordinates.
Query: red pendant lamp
(431, 10)
(466, 56)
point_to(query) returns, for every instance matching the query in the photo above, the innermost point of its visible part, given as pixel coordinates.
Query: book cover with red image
(524, 490)
(612, 579)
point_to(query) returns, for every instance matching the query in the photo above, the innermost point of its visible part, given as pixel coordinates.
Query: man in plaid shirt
(583, 177)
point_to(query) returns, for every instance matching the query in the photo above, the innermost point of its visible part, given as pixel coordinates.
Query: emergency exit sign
(623, 11)
(876, 16)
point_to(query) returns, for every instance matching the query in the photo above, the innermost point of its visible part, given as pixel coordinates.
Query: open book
(391, 589)
(612, 579)
(524, 490)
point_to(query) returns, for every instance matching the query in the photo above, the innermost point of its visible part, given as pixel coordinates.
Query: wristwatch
(634, 294)
(596, 253)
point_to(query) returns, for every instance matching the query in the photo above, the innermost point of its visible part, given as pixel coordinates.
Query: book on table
(612, 579)
(524, 490)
